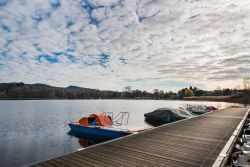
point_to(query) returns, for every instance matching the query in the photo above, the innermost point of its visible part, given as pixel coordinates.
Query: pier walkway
(199, 141)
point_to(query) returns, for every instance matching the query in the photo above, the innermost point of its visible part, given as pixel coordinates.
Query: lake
(36, 130)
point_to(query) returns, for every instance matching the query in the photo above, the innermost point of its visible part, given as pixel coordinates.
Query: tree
(156, 94)
(227, 92)
(246, 83)
(199, 92)
(128, 89)
(169, 95)
(189, 92)
(161, 94)
(21, 84)
(3, 94)
(181, 93)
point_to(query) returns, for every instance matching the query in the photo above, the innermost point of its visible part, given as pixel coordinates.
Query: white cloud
(148, 43)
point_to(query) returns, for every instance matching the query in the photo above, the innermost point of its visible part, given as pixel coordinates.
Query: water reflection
(85, 141)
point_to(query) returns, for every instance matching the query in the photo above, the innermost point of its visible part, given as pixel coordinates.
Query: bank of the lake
(242, 100)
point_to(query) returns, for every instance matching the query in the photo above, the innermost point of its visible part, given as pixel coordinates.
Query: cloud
(143, 43)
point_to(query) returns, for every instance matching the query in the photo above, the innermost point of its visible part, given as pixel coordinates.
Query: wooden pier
(200, 141)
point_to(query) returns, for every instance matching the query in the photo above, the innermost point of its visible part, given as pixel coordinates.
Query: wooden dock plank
(161, 154)
(114, 161)
(86, 160)
(140, 159)
(75, 161)
(37, 165)
(192, 142)
(99, 160)
(54, 163)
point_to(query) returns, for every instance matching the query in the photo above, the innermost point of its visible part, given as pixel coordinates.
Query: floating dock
(205, 140)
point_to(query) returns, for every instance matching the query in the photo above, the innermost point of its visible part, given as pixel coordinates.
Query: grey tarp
(166, 115)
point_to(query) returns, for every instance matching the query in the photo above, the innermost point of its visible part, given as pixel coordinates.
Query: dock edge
(223, 156)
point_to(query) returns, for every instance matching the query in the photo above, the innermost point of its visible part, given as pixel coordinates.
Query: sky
(108, 44)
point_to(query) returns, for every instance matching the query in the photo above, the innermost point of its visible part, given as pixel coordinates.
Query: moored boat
(200, 109)
(97, 126)
(162, 116)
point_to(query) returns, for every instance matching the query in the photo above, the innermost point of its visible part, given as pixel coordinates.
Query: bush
(2, 94)
(189, 92)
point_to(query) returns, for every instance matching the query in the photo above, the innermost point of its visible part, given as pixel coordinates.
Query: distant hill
(76, 88)
(21, 90)
(40, 86)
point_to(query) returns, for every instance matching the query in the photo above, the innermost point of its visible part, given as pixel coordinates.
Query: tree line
(194, 91)
(42, 91)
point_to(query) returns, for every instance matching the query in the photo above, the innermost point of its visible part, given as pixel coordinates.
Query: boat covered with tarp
(98, 127)
(166, 115)
(200, 109)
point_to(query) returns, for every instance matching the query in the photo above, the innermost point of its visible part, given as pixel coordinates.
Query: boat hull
(198, 113)
(96, 133)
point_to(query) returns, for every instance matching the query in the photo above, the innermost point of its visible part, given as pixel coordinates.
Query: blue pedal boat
(97, 132)
(98, 127)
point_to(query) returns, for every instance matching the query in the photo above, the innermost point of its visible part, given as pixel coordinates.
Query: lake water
(37, 130)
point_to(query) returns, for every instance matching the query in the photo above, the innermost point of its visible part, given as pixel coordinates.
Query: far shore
(242, 100)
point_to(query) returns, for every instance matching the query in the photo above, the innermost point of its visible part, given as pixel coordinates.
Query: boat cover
(95, 119)
(167, 114)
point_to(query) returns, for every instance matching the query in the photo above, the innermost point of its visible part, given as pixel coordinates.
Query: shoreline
(230, 99)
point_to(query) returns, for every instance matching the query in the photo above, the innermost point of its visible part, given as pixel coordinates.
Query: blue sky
(108, 44)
